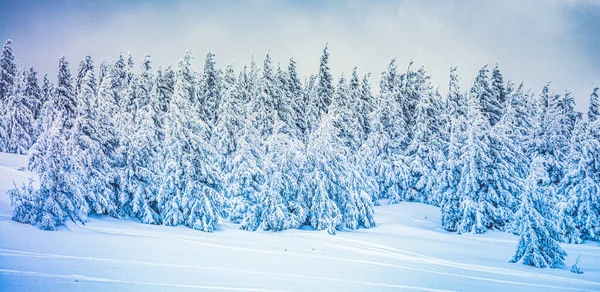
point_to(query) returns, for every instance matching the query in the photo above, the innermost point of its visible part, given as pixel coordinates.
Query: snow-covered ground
(406, 251)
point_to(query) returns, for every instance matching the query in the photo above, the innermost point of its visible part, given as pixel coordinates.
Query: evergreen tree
(33, 93)
(245, 180)
(89, 143)
(84, 66)
(473, 187)
(498, 90)
(298, 98)
(229, 121)
(262, 112)
(277, 207)
(319, 102)
(18, 120)
(594, 111)
(210, 91)
(58, 199)
(65, 101)
(539, 236)
(337, 198)
(188, 194)
(490, 104)
(8, 71)
(140, 175)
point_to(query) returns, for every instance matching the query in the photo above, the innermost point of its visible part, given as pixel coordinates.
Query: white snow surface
(407, 251)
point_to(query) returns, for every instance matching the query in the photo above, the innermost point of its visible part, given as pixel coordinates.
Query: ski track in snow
(16, 253)
(380, 250)
(108, 280)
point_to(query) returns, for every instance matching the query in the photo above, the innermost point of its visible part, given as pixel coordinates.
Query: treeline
(271, 152)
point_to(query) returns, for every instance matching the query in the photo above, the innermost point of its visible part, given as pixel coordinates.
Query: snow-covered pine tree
(366, 105)
(299, 100)
(510, 166)
(490, 104)
(574, 184)
(245, 180)
(382, 155)
(277, 206)
(45, 116)
(165, 81)
(188, 194)
(426, 147)
(594, 110)
(473, 187)
(85, 65)
(58, 199)
(209, 93)
(262, 111)
(33, 93)
(229, 121)
(319, 102)
(8, 71)
(498, 91)
(89, 143)
(18, 119)
(284, 102)
(65, 99)
(140, 173)
(536, 221)
(449, 178)
(581, 183)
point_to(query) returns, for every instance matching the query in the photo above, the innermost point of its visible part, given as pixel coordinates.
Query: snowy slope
(407, 251)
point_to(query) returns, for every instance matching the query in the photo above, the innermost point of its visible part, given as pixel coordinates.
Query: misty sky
(533, 41)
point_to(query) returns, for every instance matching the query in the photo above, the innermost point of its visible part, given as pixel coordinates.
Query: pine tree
(490, 104)
(229, 121)
(165, 81)
(89, 142)
(473, 187)
(319, 102)
(539, 236)
(424, 150)
(188, 194)
(498, 89)
(46, 111)
(298, 98)
(18, 120)
(245, 180)
(33, 93)
(8, 71)
(263, 106)
(594, 111)
(84, 66)
(365, 106)
(65, 101)
(140, 175)
(336, 195)
(210, 91)
(573, 185)
(277, 207)
(57, 199)
(581, 184)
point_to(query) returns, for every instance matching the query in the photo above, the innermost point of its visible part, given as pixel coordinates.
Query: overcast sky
(533, 41)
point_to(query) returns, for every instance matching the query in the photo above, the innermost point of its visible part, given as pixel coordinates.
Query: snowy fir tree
(209, 94)
(539, 236)
(89, 142)
(189, 192)
(18, 120)
(319, 101)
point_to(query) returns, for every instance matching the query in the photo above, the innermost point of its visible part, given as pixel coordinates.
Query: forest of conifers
(270, 150)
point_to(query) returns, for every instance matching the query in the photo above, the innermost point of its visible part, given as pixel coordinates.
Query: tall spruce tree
(536, 221)
(188, 194)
